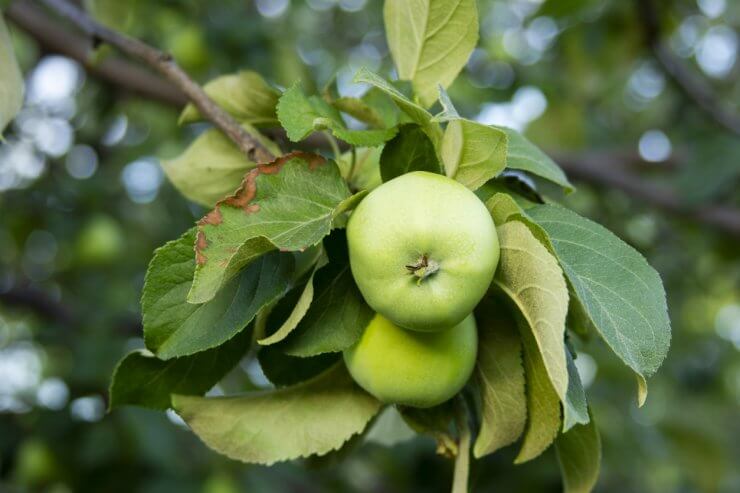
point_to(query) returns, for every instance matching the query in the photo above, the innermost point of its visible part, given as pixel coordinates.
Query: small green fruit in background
(423, 250)
(412, 368)
(101, 241)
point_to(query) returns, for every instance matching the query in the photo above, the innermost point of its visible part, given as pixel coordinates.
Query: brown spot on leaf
(245, 194)
(200, 244)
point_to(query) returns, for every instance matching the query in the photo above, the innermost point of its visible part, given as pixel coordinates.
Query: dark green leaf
(336, 318)
(174, 328)
(410, 150)
(622, 295)
(141, 379)
(301, 115)
(521, 154)
(579, 455)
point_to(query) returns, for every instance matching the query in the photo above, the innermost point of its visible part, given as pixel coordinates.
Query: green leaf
(500, 376)
(174, 328)
(11, 79)
(575, 408)
(301, 115)
(212, 167)
(300, 299)
(374, 108)
(410, 150)
(244, 95)
(622, 295)
(503, 208)
(416, 113)
(336, 318)
(579, 456)
(543, 407)
(140, 379)
(525, 156)
(530, 276)
(473, 153)
(430, 41)
(365, 174)
(449, 112)
(434, 421)
(288, 204)
(282, 369)
(314, 417)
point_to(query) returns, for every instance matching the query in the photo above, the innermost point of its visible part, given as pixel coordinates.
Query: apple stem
(423, 268)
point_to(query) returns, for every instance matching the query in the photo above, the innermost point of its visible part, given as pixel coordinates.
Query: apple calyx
(423, 268)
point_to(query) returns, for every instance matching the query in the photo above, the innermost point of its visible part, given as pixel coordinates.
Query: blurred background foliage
(83, 203)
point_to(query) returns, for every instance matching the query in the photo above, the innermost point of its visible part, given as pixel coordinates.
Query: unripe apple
(420, 369)
(423, 250)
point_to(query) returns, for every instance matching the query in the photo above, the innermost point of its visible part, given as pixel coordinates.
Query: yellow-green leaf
(212, 167)
(543, 406)
(311, 418)
(500, 376)
(473, 153)
(430, 41)
(11, 79)
(531, 277)
(244, 95)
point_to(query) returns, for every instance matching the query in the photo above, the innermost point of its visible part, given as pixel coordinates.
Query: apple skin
(412, 368)
(418, 216)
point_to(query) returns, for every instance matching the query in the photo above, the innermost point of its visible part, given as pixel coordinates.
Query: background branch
(692, 86)
(128, 76)
(608, 169)
(164, 64)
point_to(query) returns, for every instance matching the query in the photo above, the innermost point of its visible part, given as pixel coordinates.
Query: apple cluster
(423, 251)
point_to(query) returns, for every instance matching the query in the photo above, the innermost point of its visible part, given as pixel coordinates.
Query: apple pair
(423, 250)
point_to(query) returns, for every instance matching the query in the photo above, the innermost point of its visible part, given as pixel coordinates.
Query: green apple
(423, 250)
(412, 368)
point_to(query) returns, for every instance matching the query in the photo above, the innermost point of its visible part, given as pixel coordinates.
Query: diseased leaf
(301, 115)
(336, 318)
(579, 456)
(244, 95)
(141, 379)
(288, 204)
(523, 155)
(410, 150)
(575, 408)
(473, 153)
(543, 407)
(11, 79)
(314, 417)
(622, 295)
(530, 276)
(212, 167)
(500, 376)
(174, 328)
(430, 41)
(416, 113)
